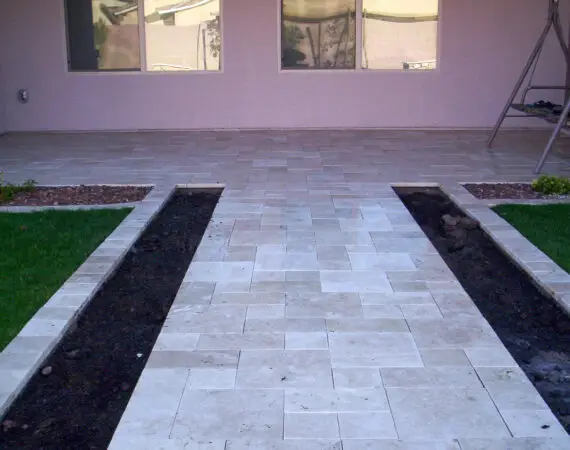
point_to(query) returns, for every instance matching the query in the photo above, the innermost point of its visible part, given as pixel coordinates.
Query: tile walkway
(316, 314)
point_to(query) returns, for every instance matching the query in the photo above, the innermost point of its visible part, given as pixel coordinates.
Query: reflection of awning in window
(389, 10)
(167, 9)
(181, 6)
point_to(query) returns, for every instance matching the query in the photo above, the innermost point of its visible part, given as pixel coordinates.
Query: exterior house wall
(2, 105)
(2, 82)
(483, 46)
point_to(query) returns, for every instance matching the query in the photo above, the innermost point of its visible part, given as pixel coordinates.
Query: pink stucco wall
(484, 44)
(2, 105)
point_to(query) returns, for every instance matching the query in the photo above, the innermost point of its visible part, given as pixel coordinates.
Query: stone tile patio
(316, 314)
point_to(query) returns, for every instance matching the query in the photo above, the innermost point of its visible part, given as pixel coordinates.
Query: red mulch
(79, 195)
(518, 191)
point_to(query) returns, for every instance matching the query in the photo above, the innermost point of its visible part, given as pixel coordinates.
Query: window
(399, 34)
(362, 34)
(143, 35)
(183, 36)
(102, 35)
(318, 34)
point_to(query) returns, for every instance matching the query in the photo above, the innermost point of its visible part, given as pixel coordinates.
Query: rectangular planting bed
(531, 325)
(78, 395)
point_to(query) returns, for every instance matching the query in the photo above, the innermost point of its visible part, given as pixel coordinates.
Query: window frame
(142, 50)
(358, 54)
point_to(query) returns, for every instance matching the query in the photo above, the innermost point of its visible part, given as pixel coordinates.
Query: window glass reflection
(103, 35)
(318, 34)
(399, 34)
(182, 36)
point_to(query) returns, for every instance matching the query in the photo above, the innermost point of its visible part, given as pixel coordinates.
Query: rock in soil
(77, 353)
(8, 425)
(47, 370)
(449, 220)
(468, 223)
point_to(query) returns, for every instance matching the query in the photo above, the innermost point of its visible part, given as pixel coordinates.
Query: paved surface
(316, 314)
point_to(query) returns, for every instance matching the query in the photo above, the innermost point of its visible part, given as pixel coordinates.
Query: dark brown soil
(79, 195)
(517, 191)
(77, 403)
(532, 326)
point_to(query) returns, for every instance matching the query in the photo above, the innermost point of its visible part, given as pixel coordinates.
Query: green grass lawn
(546, 226)
(39, 251)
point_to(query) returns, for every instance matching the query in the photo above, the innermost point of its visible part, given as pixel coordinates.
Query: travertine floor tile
(279, 369)
(529, 423)
(391, 444)
(335, 400)
(430, 377)
(356, 377)
(515, 444)
(435, 413)
(367, 425)
(209, 414)
(288, 444)
(373, 350)
(364, 281)
(311, 216)
(453, 333)
(306, 341)
(218, 378)
(238, 341)
(323, 305)
(311, 426)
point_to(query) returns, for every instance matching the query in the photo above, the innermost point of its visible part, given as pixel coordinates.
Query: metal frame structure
(553, 22)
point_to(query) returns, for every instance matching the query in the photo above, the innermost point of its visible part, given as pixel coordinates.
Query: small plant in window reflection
(291, 37)
(100, 31)
(338, 49)
(213, 30)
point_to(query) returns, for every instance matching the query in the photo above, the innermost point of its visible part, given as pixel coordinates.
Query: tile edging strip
(508, 245)
(32, 209)
(135, 223)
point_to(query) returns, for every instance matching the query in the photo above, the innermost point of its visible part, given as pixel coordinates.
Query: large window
(147, 35)
(362, 34)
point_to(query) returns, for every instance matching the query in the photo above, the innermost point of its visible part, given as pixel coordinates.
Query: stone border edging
(31, 209)
(545, 273)
(27, 351)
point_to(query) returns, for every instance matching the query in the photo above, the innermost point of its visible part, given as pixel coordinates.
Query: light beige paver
(315, 310)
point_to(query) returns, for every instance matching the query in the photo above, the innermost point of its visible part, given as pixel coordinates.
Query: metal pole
(561, 123)
(555, 11)
(205, 55)
(312, 43)
(530, 62)
(319, 44)
(561, 39)
(567, 91)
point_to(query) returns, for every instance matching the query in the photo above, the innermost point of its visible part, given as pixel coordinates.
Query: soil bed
(79, 195)
(532, 326)
(516, 191)
(88, 379)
